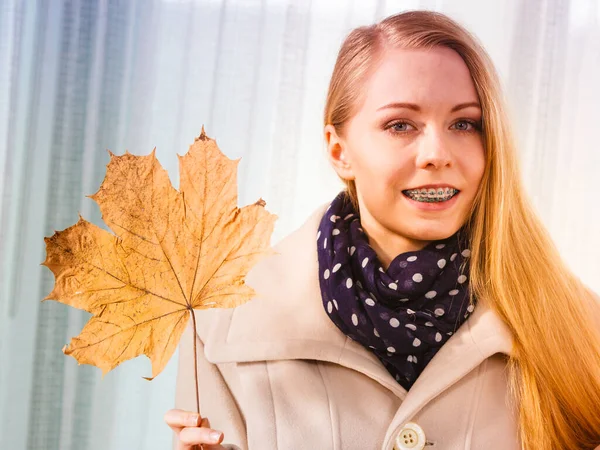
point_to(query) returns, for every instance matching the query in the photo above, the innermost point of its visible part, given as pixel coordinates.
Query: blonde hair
(554, 372)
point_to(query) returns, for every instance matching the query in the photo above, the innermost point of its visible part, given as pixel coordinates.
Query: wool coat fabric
(277, 374)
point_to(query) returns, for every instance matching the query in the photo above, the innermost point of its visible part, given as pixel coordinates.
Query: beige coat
(276, 373)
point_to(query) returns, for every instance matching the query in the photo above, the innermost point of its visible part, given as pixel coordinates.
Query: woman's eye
(399, 126)
(465, 125)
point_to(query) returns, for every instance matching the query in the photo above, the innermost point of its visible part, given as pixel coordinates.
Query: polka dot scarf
(403, 314)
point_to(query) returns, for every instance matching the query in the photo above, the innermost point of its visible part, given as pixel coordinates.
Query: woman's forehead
(430, 78)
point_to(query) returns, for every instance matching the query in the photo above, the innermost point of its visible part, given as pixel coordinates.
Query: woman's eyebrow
(417, 108)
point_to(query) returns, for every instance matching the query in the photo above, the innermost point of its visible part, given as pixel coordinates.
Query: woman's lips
(432, 206)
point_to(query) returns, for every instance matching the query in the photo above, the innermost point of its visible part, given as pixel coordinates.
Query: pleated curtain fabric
(78, 77)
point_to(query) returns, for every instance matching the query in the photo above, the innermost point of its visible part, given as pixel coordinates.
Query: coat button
(411, 437)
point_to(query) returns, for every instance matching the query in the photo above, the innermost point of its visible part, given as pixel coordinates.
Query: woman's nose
(434, 151)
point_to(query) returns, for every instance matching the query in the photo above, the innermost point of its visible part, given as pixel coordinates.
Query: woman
(426, 304)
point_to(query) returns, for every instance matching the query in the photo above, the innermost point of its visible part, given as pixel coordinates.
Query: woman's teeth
(431, 195)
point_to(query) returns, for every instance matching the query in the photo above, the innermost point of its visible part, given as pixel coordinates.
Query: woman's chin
(431, 230)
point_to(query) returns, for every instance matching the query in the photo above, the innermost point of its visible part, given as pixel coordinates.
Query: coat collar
(287, 320)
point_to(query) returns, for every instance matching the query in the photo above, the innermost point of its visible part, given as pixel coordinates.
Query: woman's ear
(337, 153)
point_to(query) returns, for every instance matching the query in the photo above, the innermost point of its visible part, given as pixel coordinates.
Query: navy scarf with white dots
(403, 314)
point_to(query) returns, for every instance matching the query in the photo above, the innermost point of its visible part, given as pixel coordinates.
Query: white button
(411, 437)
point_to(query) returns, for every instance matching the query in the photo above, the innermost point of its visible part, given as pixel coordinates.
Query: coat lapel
(287, 320)
(482, 335)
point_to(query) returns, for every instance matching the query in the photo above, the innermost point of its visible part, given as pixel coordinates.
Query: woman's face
(390, 147)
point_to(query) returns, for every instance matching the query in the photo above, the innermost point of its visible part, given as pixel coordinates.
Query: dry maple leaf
(173, 251)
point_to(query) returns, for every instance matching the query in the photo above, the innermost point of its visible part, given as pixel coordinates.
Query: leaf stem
(196, 373)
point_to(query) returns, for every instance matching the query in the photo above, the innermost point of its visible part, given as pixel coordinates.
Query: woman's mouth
(431, 195)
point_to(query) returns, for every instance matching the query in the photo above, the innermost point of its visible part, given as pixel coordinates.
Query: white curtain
(78, 77)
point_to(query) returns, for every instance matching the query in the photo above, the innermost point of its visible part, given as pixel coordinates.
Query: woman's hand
(191, 433)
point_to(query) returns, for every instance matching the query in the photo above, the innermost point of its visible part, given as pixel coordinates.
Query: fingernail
(215, 436)
(193, 420)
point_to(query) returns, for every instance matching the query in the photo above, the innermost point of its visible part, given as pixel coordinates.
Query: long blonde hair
(554, 372)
